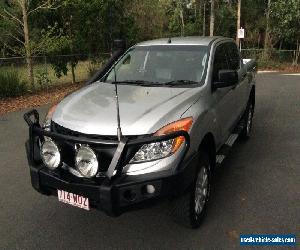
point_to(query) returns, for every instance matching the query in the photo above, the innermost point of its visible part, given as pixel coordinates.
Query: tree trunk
(266, 43)
(212, 18)
(204, 17)
(297, 53)
(182, 23)
(280, 45)
(27, 43)
(3, 51)
(73, 72)
(238, 24)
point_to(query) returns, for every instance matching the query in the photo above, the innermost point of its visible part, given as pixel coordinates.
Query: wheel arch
(208, 145)
(252, 95)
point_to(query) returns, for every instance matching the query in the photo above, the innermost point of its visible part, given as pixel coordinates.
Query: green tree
(55, 42)
(148, 18)
(286, 23)
(87, 27)
(7, 39)
(18, 12)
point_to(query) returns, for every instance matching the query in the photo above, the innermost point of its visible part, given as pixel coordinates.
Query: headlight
(158, 150)
(153, 151)
(86, 161)
(47, 122)
(50, 154)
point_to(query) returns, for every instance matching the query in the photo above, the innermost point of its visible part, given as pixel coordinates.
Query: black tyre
(190, 208)
(248, 120)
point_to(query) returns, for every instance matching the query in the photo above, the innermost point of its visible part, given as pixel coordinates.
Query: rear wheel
(189, 209)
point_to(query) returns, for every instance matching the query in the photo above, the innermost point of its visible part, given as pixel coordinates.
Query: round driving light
(86, 161)
(50, 154)
(150, 189)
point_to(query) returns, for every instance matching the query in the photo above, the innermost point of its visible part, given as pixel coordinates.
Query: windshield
(166, 64)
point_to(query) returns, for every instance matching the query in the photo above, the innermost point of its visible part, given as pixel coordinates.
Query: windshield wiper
(179, 82)
(138, 82)
(149, 83)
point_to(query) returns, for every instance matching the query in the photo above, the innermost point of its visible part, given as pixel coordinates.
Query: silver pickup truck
(153, 124)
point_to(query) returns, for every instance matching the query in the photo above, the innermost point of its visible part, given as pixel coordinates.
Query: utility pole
(238, 25)
(212, 18)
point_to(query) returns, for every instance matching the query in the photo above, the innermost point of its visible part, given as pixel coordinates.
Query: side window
(233, 56)
(220, 61)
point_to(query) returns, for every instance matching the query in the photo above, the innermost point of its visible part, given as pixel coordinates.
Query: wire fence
(54, 70)
(49, 71)
(279, 56)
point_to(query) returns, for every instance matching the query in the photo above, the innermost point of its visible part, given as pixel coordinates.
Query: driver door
(224, 98)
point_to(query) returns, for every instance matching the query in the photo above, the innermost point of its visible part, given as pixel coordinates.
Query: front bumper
(113, 193)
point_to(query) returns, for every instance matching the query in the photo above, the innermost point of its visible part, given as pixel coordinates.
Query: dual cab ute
(154, 123)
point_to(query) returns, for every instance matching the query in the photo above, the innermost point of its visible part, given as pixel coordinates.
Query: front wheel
(189, 209)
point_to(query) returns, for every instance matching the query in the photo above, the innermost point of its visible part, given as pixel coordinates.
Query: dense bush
(11, 84)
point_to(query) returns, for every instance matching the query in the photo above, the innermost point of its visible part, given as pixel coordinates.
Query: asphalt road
(257, 190)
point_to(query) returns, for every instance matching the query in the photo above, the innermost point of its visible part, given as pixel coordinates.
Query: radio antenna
(119, 130)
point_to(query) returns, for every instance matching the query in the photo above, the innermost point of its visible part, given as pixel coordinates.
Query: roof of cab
(188, 40)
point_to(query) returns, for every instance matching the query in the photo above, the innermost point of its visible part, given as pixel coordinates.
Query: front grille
(104, 153)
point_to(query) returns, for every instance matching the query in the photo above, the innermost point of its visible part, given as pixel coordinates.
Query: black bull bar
(115, 168)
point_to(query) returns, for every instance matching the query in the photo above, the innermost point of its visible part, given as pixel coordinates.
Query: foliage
(286, 18)
(11, 84)
(89, 27)
(55, 42)
(95, 63)
(42, 78)
(225, 26)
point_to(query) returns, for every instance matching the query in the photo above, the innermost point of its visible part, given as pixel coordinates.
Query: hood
(143, 110)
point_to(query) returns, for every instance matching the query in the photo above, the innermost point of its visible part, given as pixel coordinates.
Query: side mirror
(227, 78)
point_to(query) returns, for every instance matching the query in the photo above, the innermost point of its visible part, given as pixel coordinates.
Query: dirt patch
(38, 99)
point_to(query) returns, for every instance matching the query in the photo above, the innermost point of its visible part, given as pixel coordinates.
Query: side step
(225, 149)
